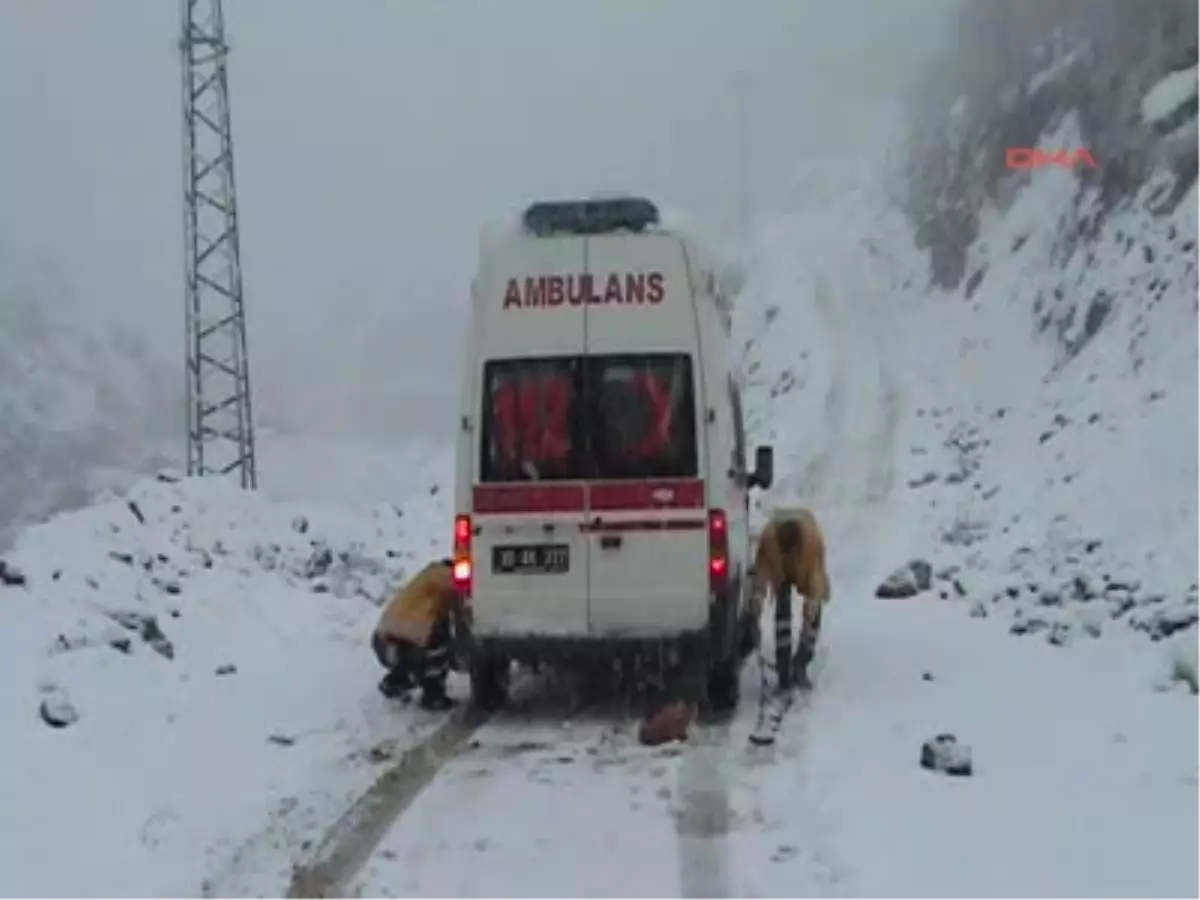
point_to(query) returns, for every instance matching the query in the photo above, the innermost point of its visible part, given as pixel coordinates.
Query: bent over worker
(412, 639)
(791, 554)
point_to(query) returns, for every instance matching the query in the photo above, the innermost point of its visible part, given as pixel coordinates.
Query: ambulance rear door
(648, 523)
(531, 554)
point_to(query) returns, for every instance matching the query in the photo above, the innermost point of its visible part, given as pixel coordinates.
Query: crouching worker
(791, 554)
(413, 641)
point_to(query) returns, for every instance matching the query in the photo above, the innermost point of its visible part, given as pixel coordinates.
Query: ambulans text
(576, 290)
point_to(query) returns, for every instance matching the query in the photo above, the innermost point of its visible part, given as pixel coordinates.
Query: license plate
(531, 559)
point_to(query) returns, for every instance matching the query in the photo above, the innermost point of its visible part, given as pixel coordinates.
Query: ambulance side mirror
(764, 468)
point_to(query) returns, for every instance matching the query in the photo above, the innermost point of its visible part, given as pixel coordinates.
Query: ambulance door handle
(548, 528)
(610, 542)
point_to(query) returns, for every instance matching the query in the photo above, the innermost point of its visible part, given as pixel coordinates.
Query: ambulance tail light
(464, 568)
(718, 552)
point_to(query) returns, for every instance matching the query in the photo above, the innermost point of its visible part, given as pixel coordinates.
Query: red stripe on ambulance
(599, 496)
(626, 525)
(521, 498)
(615, 496)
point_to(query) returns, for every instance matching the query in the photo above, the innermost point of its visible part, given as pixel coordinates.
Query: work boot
(435, 698)
(804, 656)
(394, 684)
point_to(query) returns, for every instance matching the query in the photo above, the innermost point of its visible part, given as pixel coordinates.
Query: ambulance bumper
(586, 650)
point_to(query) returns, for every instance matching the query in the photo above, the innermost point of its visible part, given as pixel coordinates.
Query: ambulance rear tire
(724, 683)
(489, 682)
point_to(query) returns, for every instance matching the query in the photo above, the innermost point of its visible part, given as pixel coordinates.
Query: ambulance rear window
(531, 420)
(611, 417)
(642, 416)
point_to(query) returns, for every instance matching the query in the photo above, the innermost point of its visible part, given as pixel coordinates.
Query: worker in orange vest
(413, 638)
(791, 555)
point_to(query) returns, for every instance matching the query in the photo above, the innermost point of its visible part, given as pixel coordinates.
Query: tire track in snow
(854, 471)
(344, 862)
(349, 843)
(847, 481)
(351, 840)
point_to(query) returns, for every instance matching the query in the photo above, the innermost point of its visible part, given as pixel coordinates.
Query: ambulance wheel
(489, 682)
(724, 683)
(748, 635)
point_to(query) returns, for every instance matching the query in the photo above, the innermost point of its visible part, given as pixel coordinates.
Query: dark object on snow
(226, 670)
(946, 755)
(600, 215)
(907, 581)
(11, 576)
(137, 512)
(281, 739)
(922, 572)
(147, 628)
(126, 558)
(58, 712)
(153, 635)
(319, 562)
(667, 724)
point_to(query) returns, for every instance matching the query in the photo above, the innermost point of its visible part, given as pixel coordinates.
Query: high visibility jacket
(411, 613)
(791, 550)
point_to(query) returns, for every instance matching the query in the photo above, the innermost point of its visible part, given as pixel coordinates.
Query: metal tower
(220, 428)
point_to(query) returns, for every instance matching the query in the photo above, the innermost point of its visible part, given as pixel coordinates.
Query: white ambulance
(602, 483)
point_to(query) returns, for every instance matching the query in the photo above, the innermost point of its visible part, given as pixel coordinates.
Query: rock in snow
(946, 755)
(57, 710)
(908, 581)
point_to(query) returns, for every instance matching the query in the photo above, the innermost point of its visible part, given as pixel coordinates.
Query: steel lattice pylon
(220, 426)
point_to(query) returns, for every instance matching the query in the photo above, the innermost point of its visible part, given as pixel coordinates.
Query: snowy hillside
(1048, 438)
(192, 699)
(189, 696)
(182, 664)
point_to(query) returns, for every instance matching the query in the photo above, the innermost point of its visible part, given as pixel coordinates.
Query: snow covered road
(533, 808)
(1085, 781)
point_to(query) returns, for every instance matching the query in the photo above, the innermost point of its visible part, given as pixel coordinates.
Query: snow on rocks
(56, 708)
(1047, 465)
(191, 661)
(907, 581)
(946, 755)
(1182, 663)
(1165, 101)
(10, 575)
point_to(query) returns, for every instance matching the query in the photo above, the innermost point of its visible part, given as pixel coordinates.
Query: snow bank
(813, 271)
(1059, 464)
(783, 360)
(184, 668)
(1172, 92)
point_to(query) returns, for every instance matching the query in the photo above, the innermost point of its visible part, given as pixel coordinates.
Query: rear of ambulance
(587, 511)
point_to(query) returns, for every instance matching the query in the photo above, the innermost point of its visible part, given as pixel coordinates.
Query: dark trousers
(791, 668)
(410, 665)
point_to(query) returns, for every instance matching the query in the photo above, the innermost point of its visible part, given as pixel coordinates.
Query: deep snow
(264, 701)
(175, 778)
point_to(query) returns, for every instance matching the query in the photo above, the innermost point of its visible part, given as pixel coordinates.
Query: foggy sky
(373, 139)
